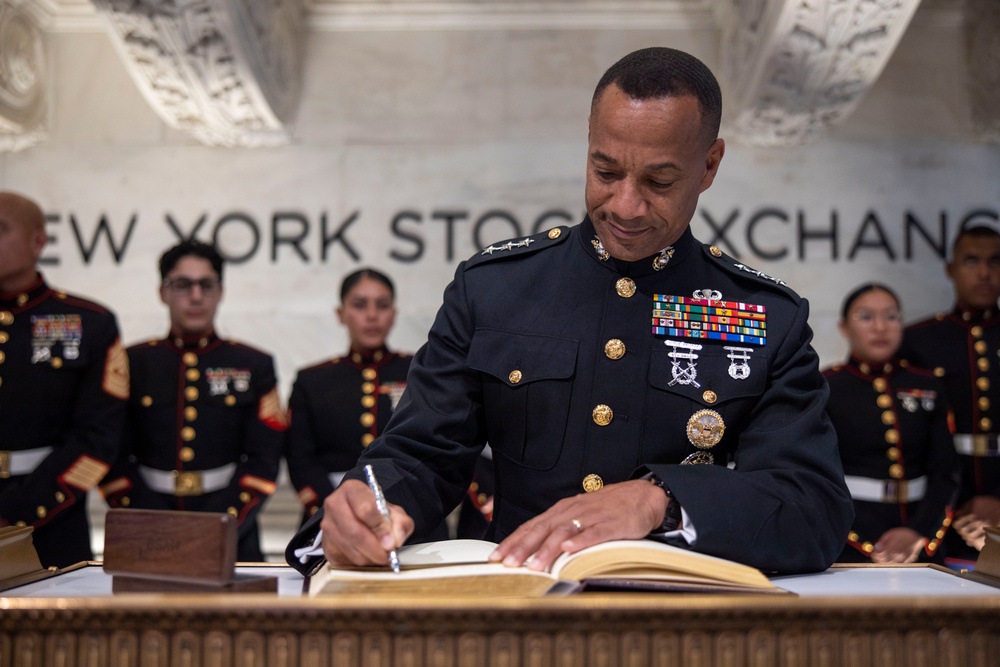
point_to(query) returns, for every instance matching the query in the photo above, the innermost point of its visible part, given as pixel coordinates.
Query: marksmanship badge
(683, 374)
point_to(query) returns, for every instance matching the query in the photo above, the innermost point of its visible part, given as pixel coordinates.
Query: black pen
(383, 508)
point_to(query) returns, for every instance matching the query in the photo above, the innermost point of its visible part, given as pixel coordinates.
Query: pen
(383, 508)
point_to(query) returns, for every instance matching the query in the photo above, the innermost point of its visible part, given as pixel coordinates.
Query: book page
(479, 579)
(445, 552)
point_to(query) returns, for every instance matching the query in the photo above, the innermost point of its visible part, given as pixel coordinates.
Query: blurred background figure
(895, 444)
(63, 385)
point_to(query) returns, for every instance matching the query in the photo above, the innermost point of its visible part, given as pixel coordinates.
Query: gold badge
(705, 429)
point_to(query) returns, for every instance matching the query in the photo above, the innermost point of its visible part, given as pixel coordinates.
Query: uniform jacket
(336, 409)
(892, 424)
(550, 354)
(199, 405)
(63, 384)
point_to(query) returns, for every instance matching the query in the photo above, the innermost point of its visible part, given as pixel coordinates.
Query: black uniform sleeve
(305, 468)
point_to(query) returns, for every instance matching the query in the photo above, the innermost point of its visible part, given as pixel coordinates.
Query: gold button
(125, 501)
(976, 331)
(625, 287)
(715, 251)
(186, 454)
(20, 524)
(985, 424)
(367, 419)
(603, 415)
(366, 439)
(514, 377)
(41, 511)
(984, 403)
(852, 536)
(981, 346)
(983, 364)
(60, 496)
(892, 453)
(888, 418)
(244, 497)
(191, 393)
(710, 396)
(867, 547)
(983, 384)
(190, 413)
(592, 483)
(4, 336)
(865, 368)
(2, 356)
(190, 358)
(368, 374)
(232, 511)
(896, 471)
(56, 362)
(879, 384)
(939, 372)
(555, 233)
(313, 510)
(192, 374)
(614, 349)
(230, 400)
(892, 436)
(367, 401)
(368, 387)
(6, 317)
(187, 434)
(883, 401)
(146, 401)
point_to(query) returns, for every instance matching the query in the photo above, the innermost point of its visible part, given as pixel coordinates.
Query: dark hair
(860, 291)
(977, 230)
(659, 72)
(189, 248)
(354, 278)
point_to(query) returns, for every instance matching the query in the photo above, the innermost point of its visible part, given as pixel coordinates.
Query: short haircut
(976, 230)
(354, 278)
(190, 248)
(659, 72)
(860, 291)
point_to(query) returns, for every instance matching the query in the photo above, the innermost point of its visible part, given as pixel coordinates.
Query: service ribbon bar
(731, 321)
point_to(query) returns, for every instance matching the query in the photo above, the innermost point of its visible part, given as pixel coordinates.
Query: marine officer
(205, 423)
(615, 368)
(962, 348)
(63, 385)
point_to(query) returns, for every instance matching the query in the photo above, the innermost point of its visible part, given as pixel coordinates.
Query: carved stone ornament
(23, 117)
(795, 68)
(983, 44)
(225, 71)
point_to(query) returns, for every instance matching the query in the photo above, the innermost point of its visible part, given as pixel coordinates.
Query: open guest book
(461, 567)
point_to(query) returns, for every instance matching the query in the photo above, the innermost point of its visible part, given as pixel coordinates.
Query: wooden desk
(908, 616)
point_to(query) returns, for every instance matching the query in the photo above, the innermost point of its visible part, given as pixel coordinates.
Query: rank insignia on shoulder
(509, 245)
(711, 319)
(760, 274)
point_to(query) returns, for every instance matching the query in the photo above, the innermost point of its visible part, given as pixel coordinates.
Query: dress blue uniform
(573, 366)
(63, 385)
(961, 348)
(895, 444)
(204, 432)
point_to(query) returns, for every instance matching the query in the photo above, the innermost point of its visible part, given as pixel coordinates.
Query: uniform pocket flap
(518, 359)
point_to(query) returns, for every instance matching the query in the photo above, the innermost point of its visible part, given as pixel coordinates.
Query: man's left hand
(974, 516)
(623, 511)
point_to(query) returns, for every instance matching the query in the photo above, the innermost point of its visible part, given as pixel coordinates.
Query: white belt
(981, 444)
(187, 482)
(22, 462)
(886, 490)
(336, 478)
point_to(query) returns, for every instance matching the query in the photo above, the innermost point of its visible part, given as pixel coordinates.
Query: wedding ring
(576, 524)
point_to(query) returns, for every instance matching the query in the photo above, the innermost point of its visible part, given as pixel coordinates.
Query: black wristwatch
(672, 517)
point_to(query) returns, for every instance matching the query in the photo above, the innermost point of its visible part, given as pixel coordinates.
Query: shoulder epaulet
(80, 302)
(933, 319)
(832, 370)
(520, 247)
(740, 269)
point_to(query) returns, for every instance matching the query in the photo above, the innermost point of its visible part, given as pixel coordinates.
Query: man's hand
(627, 510)
(898, 545)
(974, 516)
(354, 532)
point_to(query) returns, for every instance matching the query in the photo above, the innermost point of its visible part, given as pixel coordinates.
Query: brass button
(976, 331)
(191, 393)
(186, 454)
(986, 424)
(4, 336)
(514, 377)
(709, 396)
(939, 372)
(367, 402)
(190, 413)
(244, 497)
(984, 403)
(232, 511)
(892, 436)
(983, 384)
(367, 419)
(146, 401)
(20, 524)
(56, 362)
(230, 400)
(190, 358)
(368, 374)
(625, 287)
(981, 346)
(592, 483)
(896, 471)
(883, 401)
(41, 511)
(366, 439)
(603, 415)
(192, 374)
(614, 349)
(868, 547)
(60, 496)
(2, 356)
(888, 418)
(555, 233)
(983, 364)
(125, 501)
(368, 388)
(6, 317)
(852, 536)
(187, 434)
(865, 368)
(892, 453)
(879, 384)
(715, 251)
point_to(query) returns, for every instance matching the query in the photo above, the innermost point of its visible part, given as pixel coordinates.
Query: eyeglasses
(186, 285)
(868, 318)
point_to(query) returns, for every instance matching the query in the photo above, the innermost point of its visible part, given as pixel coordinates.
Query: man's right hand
(355, 532)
